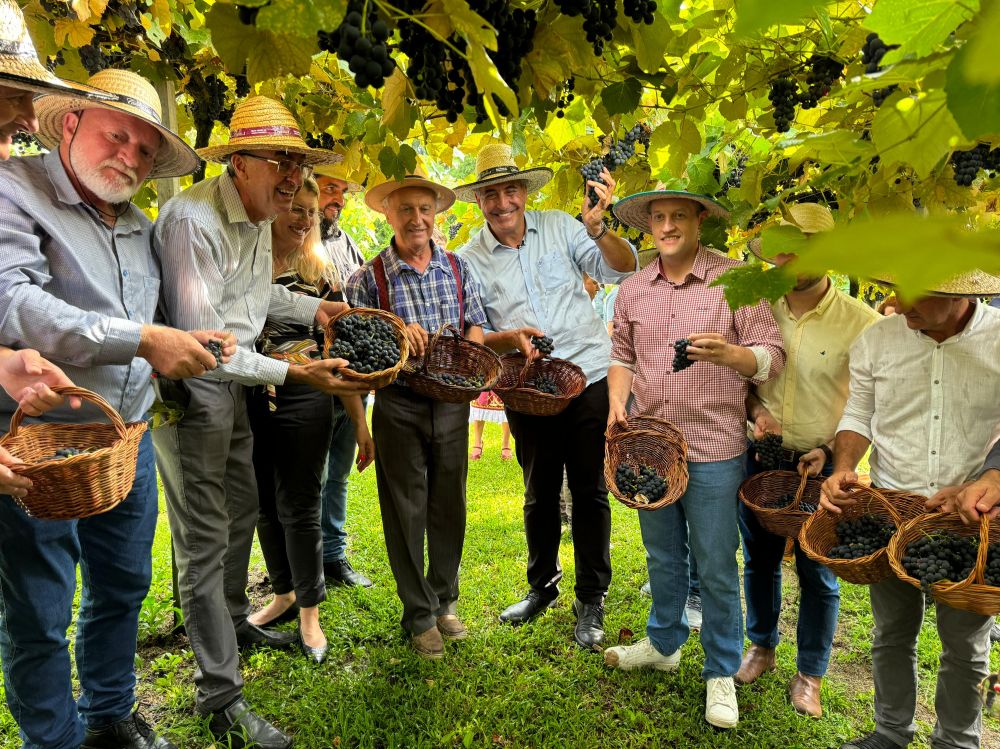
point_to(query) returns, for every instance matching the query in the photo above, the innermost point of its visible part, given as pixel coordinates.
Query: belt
(791, 456)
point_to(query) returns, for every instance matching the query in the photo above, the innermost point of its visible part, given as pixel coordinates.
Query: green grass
(503, 687)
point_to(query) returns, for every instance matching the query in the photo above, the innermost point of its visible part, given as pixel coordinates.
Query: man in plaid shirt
(669, 300)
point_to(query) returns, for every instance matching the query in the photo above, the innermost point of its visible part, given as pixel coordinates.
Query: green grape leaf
(650, 43)
(780, 239)
(975, 106)
(265, 54)
(746, 285)
(754, 16)
(915, 131)
(701, 178)
(918, 26)
(980, 61)
(301, 19)
(397, 114)
(621, 98)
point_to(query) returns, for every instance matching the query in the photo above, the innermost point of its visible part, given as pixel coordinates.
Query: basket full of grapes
(853, 544)
(76, 470)
(645, 463)
(956, 563)
(372, 340)
(453, 369)
(781, 500)
(540, 387)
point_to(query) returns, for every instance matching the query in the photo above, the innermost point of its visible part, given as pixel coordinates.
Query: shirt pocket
(554, 272)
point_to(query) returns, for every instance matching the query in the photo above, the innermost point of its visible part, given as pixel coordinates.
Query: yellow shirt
(808, 397)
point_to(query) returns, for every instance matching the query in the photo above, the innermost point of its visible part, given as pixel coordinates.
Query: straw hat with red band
(809, 218)
(132, 95)
(495, 165)
(337, 171)
(375, 197)
(263, 124)
(973, 284)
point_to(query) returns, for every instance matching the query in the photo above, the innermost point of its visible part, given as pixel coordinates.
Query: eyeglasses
(285, 167)
(299, 212)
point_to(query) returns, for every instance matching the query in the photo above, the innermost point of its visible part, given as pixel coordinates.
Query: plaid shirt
(706, 402)
(426, 298)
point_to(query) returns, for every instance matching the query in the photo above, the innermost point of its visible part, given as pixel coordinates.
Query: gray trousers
(965, 642)
(421, 461)
(205, 464)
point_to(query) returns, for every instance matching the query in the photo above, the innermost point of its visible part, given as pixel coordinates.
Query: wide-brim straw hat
(809, 218)
(262, 124)
(133, 95)
(634, 209)
(495, 165)
(337, 171)
(375, 197)
(972, 284)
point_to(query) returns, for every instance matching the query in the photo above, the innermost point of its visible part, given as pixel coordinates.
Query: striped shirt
(705, 401)
(73, 288)
(217, 275)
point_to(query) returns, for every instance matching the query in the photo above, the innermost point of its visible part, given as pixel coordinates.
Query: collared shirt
(74, 288)
(930, 409)
(808, 396)
(217, 276)
(344, 254)
(706, 402)
(540, 285)
(429, 298)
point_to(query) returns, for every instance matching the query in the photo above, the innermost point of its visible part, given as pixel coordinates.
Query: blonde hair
(311, 260)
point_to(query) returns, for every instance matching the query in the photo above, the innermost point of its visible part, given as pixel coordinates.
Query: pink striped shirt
(705, 401)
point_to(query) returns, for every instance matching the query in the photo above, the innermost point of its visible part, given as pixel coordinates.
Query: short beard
(329, 227)
(804, 284)
(109, 189)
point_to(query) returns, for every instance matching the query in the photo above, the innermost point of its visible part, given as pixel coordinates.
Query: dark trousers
(546, 445)
(289, 450)
(421, 462)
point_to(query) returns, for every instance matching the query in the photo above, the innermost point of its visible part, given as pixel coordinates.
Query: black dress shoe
(237, 726)
(527, 608)
(316, 655)
(340, 572)
(132, 733)
(589, 632)
(251, 636)
(288, 615)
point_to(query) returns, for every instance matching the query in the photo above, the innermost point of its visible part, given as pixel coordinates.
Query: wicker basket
(764, 487)
(373, 380)
(82, 485)
(652, 442)
(452, 354)
(970, 594)
(516, 370)
(819, 533)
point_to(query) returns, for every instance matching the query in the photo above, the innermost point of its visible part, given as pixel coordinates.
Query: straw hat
(19, 65)
(634, 210)
(133, 95)
(263, 124)
(375, 196)
(494, 165)
(337, 171)
(809, 218)
(974, 283)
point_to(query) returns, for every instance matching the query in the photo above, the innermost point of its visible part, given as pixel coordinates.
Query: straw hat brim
(313, 156)
(52, 85)
(972, 284)
(324, 170)
(175, 158)
(535, 178)
(634, 209)
(445, 197)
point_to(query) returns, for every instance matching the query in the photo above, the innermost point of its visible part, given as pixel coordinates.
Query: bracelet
(827, 452)
(601, 233)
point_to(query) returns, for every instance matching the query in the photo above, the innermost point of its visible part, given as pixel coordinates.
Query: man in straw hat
(422, 445)
(671, 300)
(530, 266)
(79, 284)
(923, 397)
(347, 258)
(214, 243)
(803, 404)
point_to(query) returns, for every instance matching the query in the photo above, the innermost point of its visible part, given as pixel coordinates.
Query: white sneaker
(641, 655)
(693, 610)
(721, 709)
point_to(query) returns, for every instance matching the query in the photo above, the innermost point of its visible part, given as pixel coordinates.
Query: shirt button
(936, 416)
(125, 274)
(673, 315)
(933, 452)
(937, 382)
(933, 484)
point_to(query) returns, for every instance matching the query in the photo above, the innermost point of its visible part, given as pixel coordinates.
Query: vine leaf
(397, 114)
(754, 16)
(918, 26)
(745, 285)
(266, 54)
(620, 98)
(981, 51)
(975, 105)
(916, 131)
(300, 19)
(76, 33)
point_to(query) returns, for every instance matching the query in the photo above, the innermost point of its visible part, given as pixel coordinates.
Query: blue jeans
(705, 514)
(38, 561)
(339, 462)
(819, 601)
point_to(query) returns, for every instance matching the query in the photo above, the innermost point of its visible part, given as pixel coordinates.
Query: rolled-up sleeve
(860, 408)
(757, 330)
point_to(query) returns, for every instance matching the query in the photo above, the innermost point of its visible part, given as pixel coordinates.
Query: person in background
(488, 407)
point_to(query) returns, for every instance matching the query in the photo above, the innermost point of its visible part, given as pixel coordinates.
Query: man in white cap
(79, 284)
(802, 404)
(923, 398)
(214, 243)
(421, 444)
(334, 185)
(530, 267)
(671, 300)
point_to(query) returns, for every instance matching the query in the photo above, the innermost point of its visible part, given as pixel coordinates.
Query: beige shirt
(808, 397)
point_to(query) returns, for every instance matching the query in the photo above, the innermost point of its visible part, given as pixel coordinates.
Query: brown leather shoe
(451, 627)
(804, 693)
(429, 644)
(755, 662)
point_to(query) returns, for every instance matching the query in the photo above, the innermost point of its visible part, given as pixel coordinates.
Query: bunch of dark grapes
(861, 537)
(646, 485)
(784, 95)
(626, 479)
(215, 349)
(55, 8)
(565, 96)
(207, 104)
(942, 556)
(600, 17)
(872, 52)
(640, 11)
(322, 140)
(247, 14)
(544, 383)
(93, 58)
(361, 42)
(473, 381)
(785, 500)
(734, 177)
(24, 140)
(618, 153)
(681, 360)
(56, 61)
(991, 574)
(823, 73)
(768, 451)
(543, 343)
(368, 343)
(67, 452)
(966, 164)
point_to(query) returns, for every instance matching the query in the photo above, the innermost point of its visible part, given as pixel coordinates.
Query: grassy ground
(503, 687)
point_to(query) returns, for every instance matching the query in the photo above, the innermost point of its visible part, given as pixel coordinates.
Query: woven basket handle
(446, 328)
(896, 519)
(84, 394)
(524, 370)
(984, 544)
(803, 482)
